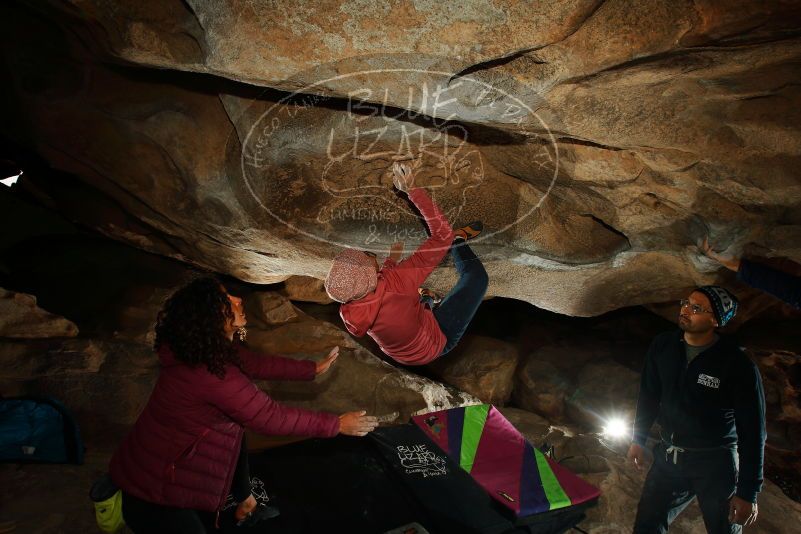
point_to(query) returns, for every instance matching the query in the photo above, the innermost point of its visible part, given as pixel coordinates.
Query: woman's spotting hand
(325, 364)
(402, 176)
(357, 423)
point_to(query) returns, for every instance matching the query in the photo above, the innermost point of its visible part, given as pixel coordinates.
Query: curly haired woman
(186, 451)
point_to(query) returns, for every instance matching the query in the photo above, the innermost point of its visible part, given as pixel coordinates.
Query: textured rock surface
(542, 389)
(597, 140)
(20, 317)
(576, 379)
(267, 308)
(781, 376)
(305, 289)
(481, 366)
(604, 389)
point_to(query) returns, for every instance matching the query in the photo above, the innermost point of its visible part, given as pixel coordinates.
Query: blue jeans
(459, 306)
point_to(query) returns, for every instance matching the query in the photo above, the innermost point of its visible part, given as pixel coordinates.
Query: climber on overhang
(781, 285)
(410, 325)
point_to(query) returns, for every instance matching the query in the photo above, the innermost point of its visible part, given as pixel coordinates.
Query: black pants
(669, 488)
(144, 517)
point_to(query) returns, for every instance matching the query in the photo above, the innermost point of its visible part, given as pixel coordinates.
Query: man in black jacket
(710, 403)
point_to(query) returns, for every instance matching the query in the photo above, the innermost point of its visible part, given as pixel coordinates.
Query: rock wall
(598, 141)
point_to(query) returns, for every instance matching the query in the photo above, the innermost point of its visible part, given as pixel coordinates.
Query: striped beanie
(724, 304)
(352, 276)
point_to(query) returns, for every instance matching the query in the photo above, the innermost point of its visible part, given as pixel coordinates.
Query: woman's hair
(192, 324)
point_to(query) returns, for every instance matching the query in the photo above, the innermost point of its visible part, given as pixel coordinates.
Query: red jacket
(183, 449)
(393, 315)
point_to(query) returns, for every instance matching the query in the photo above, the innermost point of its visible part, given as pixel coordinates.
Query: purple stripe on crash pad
(455, 428)
(532, 495)
(576, 488)
(499, 460)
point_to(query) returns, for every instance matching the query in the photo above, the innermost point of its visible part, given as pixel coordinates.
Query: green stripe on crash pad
(474, 419)
(553, 490)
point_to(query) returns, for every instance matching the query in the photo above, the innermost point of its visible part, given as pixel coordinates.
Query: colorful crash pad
(516, 474)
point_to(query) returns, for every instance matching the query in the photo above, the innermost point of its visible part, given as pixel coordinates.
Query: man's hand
(637, 456)
(742, 512)
(396, 251)
(356, 423)
(324, 365)
(402, 176)
(729, 263)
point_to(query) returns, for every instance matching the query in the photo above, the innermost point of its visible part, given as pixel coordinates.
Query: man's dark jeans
(459, 306)
(669, 488)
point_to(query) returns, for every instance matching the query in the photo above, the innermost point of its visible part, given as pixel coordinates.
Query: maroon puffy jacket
(183, 449)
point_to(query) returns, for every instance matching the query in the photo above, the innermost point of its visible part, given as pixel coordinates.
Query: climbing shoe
(470, 231)
(260, 513)
(429, 298)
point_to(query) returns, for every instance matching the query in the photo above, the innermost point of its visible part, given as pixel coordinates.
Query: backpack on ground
(38, 430)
